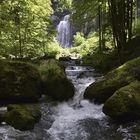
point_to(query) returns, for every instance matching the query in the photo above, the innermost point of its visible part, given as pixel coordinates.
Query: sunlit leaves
(24, 23)
(84, 10)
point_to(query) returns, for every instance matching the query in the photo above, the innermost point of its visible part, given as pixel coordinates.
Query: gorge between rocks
(77, 119)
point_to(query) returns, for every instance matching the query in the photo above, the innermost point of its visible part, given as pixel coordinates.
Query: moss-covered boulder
(19, 82)
(55, 81)
(23, 117)
(102, 89)
(125, 103)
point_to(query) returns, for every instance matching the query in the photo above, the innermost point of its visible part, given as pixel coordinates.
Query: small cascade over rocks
(64, 32)
(76, 119)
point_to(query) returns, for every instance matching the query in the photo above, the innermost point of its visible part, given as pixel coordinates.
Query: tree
(24, 26)
(87, 12)
(119, 13)
(121, 18)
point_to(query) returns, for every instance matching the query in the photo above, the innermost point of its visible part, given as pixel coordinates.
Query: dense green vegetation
(27, 30)
(24, 27)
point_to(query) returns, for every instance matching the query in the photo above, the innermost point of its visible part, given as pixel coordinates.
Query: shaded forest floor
(107, 61)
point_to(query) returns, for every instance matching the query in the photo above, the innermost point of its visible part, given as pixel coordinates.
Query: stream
(77, 119)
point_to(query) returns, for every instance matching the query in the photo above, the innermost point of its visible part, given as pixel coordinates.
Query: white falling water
(64, 32)
(68, 114)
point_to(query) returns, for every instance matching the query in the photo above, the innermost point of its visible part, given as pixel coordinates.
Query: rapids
(77, 119)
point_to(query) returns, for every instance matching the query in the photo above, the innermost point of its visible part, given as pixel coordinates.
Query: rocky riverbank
(118, 91)
(24, 83)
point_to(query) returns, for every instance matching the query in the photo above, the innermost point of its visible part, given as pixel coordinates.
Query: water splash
(64, 32)
(77, 119)
(68, 114)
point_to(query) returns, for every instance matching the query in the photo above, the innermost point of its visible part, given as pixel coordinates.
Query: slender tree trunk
(121, 18)
(100, 29)
(20, 39)
(131, 20)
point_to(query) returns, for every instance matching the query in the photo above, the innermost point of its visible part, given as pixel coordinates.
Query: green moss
(55, 81)
(103, 62)
(125, 103)
(51, 69)
(23, 117)
(101, 90)
(19, 81)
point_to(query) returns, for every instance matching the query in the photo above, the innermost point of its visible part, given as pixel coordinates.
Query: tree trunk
(100, 29)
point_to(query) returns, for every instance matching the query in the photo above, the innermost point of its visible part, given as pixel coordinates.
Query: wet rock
(72, 68)
(66, 58)
(55, 81)
(19, 82)
(104, 88)
(23, 117)
(124, 105)
(81, 75)
(77, 61)
(55, 19)
(3, 110)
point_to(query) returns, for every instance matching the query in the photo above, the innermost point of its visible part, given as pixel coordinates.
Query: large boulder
(102, 89)
(125, 103)
(22, 117)
(19, 82)
(56, 84)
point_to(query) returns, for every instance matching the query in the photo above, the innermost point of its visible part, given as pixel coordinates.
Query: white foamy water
(77, 119)
(68, 114)
(64, 32)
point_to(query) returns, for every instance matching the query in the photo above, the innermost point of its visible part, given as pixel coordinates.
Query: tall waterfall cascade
(64, 32)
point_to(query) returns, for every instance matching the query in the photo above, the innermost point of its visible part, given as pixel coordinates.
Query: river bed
(77, 119)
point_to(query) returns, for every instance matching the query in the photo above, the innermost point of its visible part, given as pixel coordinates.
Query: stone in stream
(56, 84)
(19, 82)
(22, 117)
(81, 75)
(65, 58)
(124, 105)
(104, 88)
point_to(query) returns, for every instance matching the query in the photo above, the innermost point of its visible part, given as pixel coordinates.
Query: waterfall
(64, 32)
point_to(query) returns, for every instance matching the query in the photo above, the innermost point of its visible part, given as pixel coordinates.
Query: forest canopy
(27, 29)
(24, 26)
(120, 17)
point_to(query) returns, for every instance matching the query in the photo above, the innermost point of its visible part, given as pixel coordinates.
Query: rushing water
(77, 119)
(64, 32)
